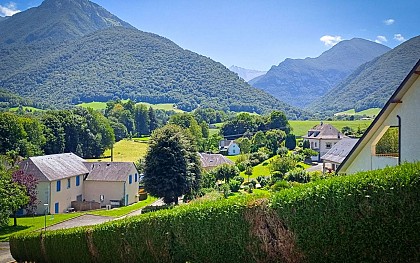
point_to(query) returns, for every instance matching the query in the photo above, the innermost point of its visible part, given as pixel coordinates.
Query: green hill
(372, 84)
(104, 62)
(301, 81)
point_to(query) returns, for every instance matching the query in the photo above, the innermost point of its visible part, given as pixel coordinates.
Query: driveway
(5, 255)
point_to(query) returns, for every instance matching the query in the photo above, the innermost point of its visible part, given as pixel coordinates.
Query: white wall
(234, 149)
(65, 195)
(409, 111)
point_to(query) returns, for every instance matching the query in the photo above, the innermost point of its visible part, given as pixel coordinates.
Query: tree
(305, 144)
(141, 120)
(259, 140)
(282, 164)
(11, 132)
(248, 171)
(274, 139)
(172, 167)
(290, 141)
(12, 197)
(204, 129)
(244, 144)
(153, 123)
(278, 120)
(29, 183)
(225, 172)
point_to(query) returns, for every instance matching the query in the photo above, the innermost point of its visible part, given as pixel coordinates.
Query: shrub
(263, 180)
(298, 175)
(282, 151)
(239, 178)
(234, 185)
(225, 189)
(280, 185)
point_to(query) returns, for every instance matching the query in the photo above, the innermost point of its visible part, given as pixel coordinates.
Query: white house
(322, 137)
(63, 178)
(402, 111)
(229, 147)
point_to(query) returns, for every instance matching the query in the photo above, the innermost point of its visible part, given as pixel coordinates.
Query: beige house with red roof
(322, 138)
(63, 178)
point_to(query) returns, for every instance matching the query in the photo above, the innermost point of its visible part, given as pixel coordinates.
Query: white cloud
(331, 40)
(399, 37)
(381, 39)
(389, 22)
(8, 9)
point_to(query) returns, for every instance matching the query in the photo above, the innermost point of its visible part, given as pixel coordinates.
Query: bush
(280, 185)
(298, 175)
(234, 185)
(263, 180)
(282, 151)
(239, 178)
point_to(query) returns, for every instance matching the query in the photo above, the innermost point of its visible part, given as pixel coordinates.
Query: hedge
(366, 217)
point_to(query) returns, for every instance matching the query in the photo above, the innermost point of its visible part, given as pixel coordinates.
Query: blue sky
(257, 34)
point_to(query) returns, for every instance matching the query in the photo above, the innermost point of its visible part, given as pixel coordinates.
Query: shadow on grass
(6, 231)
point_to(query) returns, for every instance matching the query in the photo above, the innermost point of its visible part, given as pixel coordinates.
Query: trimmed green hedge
(367, 217)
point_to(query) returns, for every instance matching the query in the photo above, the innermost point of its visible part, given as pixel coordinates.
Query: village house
(335, 156)
(63, 178)
(229, 147)
(321, 139)
(210, 161)
(401, 112)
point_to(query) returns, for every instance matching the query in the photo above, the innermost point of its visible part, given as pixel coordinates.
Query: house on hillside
(111, 182)
(63, 178)
(399, 115)
(335, 156)
(322, 137)
(210, 161)
(229, 147)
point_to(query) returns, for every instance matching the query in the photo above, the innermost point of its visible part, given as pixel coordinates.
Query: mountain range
(301, 81)
(69, 51)
(246, 74)
(371, 84)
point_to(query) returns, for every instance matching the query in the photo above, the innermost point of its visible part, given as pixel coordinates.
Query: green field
(369, 112)
(121, 211)
(301, 128)
(25, 108)
(125, 151)
(102, 105)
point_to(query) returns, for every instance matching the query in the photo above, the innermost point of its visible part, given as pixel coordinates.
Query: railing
(387, 154)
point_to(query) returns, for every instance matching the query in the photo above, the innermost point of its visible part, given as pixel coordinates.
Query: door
(56, 208)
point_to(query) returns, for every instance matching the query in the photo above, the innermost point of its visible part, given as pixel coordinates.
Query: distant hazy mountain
(301, 81)
(3, 18)
(373, 83)
(246, 74)
(93, 55)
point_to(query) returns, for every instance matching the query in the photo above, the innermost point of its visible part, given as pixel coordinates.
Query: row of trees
(83, 131)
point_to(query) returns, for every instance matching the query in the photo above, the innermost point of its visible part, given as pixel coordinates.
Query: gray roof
(213, 160)
(340, 150)
(54, 167)
(109, 171)
(324, 131)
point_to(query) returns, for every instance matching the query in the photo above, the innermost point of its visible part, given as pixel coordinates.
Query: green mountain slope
(371, 85)
(118, 62)
(56, 20)
(300, 81)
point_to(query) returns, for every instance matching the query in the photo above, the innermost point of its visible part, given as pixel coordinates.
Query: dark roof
(109, 171)
(54, 167)
(396, 96)
(340, 150)
(213, 160)
(324, 131)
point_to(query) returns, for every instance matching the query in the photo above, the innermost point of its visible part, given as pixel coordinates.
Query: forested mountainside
(95, 59)
(301, 81)
(373, 83)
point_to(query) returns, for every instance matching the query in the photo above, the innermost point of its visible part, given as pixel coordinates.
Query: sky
(257, 34)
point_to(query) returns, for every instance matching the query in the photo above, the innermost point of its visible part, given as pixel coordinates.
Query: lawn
(301, 128)
(25, 108)
(121, 211)
(33, 223)
(125, 151)
(102, 105)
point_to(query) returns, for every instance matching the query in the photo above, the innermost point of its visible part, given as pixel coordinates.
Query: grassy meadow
(126, 151)
(300, 128)
(368, 112)
(102, 105)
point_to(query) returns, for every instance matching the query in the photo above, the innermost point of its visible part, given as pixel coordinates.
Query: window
(328, 145)
(68, 183)
(316, 144)
(130, 179)
(58, 186)
(388, 144)
(78, 180)
(56, 208)
(135, 177)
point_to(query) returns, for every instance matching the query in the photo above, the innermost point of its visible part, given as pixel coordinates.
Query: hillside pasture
(125, 151)
(369, 112)
(300, 128)
(102, 105)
